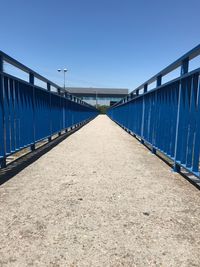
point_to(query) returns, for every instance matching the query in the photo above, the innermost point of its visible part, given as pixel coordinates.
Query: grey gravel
(99, 198)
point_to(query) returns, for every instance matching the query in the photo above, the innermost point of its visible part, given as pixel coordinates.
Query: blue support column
(158, 83)
(185, 66)
(31, 81)
(145, 87)
(143, 112)
(3, 158)
(59, 93)
(153, 150)
(50, 119)
(176, 168)
(184, 70)
(67, 97)
(142, 141)
(159, 80)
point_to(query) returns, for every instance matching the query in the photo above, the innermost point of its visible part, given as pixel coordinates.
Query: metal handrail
(19, 65)
(182, 62)
(167, 117)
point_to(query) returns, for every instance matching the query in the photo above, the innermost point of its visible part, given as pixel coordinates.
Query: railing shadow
(24, 161)
(185, 174)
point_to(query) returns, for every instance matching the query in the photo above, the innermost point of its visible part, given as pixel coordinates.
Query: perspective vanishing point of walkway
(99, 198)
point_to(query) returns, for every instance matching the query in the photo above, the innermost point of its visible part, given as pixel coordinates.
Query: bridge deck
(99, 198)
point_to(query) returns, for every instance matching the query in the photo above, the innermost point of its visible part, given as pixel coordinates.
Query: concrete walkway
(99, 198)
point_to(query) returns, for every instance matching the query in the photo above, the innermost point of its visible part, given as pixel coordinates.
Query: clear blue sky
(109, 43)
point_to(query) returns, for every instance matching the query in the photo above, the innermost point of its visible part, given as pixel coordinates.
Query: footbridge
(100, 190)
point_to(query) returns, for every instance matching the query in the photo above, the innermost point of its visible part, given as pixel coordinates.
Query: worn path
(99, 198)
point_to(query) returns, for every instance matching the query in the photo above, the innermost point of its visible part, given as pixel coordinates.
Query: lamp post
(96, 97)
(64, 71)
(63, 122)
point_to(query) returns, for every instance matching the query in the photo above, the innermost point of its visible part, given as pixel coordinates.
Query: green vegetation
(102, 109)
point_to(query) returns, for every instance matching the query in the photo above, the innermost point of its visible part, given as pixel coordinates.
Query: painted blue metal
(167, 117)
(29, 114)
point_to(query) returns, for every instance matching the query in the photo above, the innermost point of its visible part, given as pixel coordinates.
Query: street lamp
(96, 97)
(64, 71)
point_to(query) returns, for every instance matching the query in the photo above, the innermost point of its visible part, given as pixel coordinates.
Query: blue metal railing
(167, 117)
(29, 113)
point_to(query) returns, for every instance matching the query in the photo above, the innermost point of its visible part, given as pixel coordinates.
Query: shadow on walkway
(185, 174)
(22, 162)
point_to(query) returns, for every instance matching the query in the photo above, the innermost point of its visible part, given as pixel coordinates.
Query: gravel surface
(99, 198)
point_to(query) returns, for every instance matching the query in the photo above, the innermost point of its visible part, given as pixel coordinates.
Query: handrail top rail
(179, 62)
(178, 79)
(26, 69)
(187, 56)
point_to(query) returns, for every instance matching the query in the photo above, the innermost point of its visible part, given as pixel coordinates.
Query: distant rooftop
(99, 91)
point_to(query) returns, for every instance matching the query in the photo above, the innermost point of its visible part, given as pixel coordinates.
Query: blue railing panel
(24, 114)
(29, 113)
(2, 150)
(42, 114)
(168, 116)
